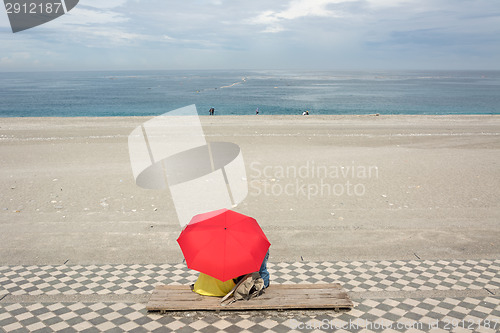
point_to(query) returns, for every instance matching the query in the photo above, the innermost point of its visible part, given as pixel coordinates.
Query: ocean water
(138, 93)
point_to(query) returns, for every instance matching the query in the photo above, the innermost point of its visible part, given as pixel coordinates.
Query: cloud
(114, 36)
(100, 4)
(6, 61)
(261, 34)
(138, 23)
(91, 23)
(88, 16)
(15, 57)
(296, 9)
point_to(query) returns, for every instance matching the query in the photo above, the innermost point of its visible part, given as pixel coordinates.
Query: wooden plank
(310, 286)
(281, 286)
(295, 293)
(246, 305)
(298, 296)
(172, 287)
(187, 294)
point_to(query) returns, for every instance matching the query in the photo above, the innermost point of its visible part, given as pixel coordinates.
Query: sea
(272, 92)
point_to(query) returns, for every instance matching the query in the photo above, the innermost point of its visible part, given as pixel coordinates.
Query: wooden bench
(276, 297)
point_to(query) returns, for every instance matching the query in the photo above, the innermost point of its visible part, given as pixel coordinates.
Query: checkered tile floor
(387, 315)
(356, 276)
(467, 314)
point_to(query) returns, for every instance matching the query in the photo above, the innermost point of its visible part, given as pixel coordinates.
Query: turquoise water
(137, 93)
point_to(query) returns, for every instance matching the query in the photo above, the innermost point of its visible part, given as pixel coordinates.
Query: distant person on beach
(211, 111)
(305, 113)
(257, 111)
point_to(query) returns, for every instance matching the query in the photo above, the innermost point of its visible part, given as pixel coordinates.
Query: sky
(259, 34)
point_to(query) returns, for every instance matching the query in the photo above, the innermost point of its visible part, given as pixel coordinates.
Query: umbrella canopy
(223, 244)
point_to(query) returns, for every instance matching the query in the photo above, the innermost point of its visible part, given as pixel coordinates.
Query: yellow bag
(210, 286)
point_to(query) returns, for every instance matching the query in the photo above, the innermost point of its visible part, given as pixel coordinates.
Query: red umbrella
(223, 244)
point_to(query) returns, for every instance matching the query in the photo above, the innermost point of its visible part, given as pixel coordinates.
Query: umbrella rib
(224, 246)
(242, 246)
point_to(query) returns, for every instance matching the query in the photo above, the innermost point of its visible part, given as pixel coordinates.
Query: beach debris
(12, 187)
(55, 180)
(104, 203)
(5, 208)
(155, 209)
(384, 196)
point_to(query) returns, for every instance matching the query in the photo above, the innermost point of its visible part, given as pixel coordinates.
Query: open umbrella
(223, 244)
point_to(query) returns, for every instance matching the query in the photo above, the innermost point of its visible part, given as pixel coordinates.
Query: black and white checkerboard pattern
(467, 314)
(355, 276)
(387, 315)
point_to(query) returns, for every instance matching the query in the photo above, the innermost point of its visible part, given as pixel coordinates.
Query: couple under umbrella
(224, 245)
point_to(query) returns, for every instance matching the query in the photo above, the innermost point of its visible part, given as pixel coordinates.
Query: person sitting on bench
(210, 286)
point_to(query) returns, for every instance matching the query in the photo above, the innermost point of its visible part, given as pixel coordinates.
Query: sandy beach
(321, 187)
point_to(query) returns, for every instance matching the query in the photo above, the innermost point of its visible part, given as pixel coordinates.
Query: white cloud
(297, 9)
(116, 36)
(82, 16)
(301, 8)
(6, 61)
(93, 27)
(15, 57)
(102, 4)
(191, 43)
